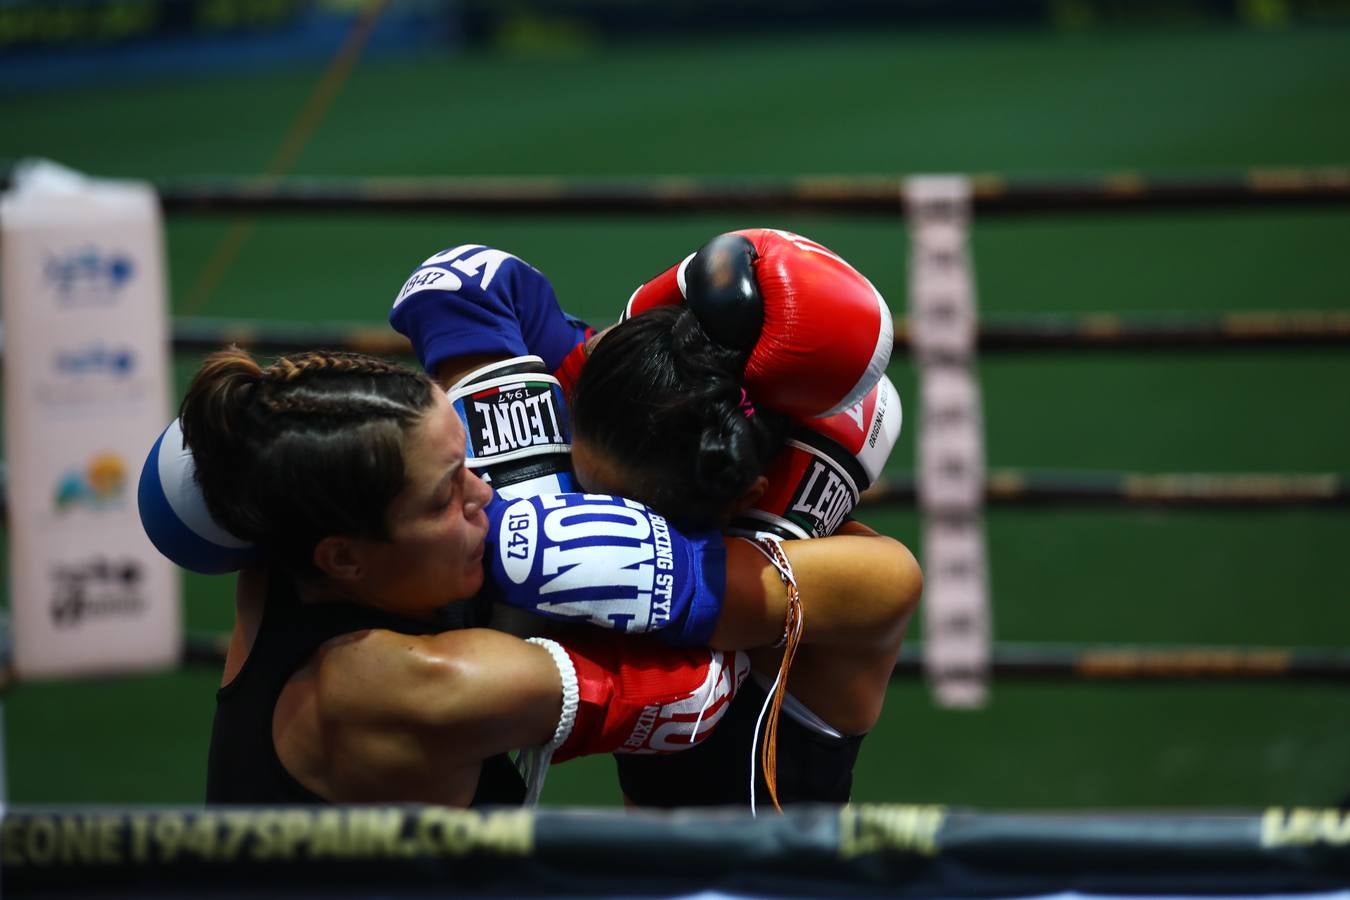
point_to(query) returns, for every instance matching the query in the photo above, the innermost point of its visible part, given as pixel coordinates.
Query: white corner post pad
(943, 320)
(533, 762)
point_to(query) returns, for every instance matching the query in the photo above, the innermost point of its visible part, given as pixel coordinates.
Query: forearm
(856, 591)
(857, 529)
(586, 693)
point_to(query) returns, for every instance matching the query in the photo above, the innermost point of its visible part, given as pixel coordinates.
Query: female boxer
(659, 415)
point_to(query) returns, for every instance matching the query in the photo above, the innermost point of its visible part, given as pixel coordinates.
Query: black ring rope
(991, 194)
(1012, 661)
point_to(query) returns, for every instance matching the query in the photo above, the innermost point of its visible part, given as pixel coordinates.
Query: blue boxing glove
(174, 514)
(517, 434)
(473, 300)
(607, 561)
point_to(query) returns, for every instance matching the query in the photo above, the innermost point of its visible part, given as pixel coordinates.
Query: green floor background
(1021, 103)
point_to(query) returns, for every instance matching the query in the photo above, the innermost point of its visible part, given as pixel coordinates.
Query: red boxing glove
(569, 370)
(818, 478)
(817, 332)
(628, 695)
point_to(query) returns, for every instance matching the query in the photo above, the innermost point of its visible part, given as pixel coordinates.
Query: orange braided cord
(792, 638)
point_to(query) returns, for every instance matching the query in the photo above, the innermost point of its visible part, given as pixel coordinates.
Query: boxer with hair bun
(744, 388)
(660, 416)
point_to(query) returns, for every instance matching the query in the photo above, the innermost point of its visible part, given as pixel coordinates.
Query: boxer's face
(437, 524)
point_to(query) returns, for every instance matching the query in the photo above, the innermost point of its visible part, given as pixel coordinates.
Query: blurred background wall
(167, 88)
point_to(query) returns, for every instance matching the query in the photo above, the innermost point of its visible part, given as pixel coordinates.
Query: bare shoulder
(382, 716)
(417, 681)
(379, 673)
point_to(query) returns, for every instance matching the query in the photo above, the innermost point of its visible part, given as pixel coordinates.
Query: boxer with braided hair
(343, 414)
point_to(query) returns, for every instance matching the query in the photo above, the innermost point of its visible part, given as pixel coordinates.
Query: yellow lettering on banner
(1305, 827)
(510, 832)
(442, 830)
(266, 828)
(358, 835)
(140, 838)
(109, 829)
(1301, 825)
(167, 833)
(1270, 827)
(295, 831)
(872, 829)
(76, 843)
(10, 834)
(458, 832)
(202, 836)
(236, 829)
(1336, 827)
(373, 833)
(40, 842)
(386, 832)
(428, 821)
(328, 837)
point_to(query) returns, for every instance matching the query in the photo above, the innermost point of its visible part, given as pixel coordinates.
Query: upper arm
(856, 590)
(408, 714)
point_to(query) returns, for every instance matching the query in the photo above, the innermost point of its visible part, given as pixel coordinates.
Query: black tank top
(243, 766)
(812, 767)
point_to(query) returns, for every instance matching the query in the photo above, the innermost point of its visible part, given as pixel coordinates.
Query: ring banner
(862, 850)
(957, 626)
(86, 391)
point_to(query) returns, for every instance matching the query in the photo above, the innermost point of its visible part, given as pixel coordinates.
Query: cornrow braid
(353, 408)
(312, 362)
(309, 446)
(297, 385)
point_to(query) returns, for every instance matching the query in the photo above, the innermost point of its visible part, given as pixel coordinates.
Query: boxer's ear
(340, 559)
(749, 497)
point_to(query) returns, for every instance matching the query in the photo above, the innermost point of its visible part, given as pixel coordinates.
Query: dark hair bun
(665, 402)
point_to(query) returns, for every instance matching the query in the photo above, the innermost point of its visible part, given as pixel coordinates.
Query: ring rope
(1007, 334)
(857, 195)
(1011, 661)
